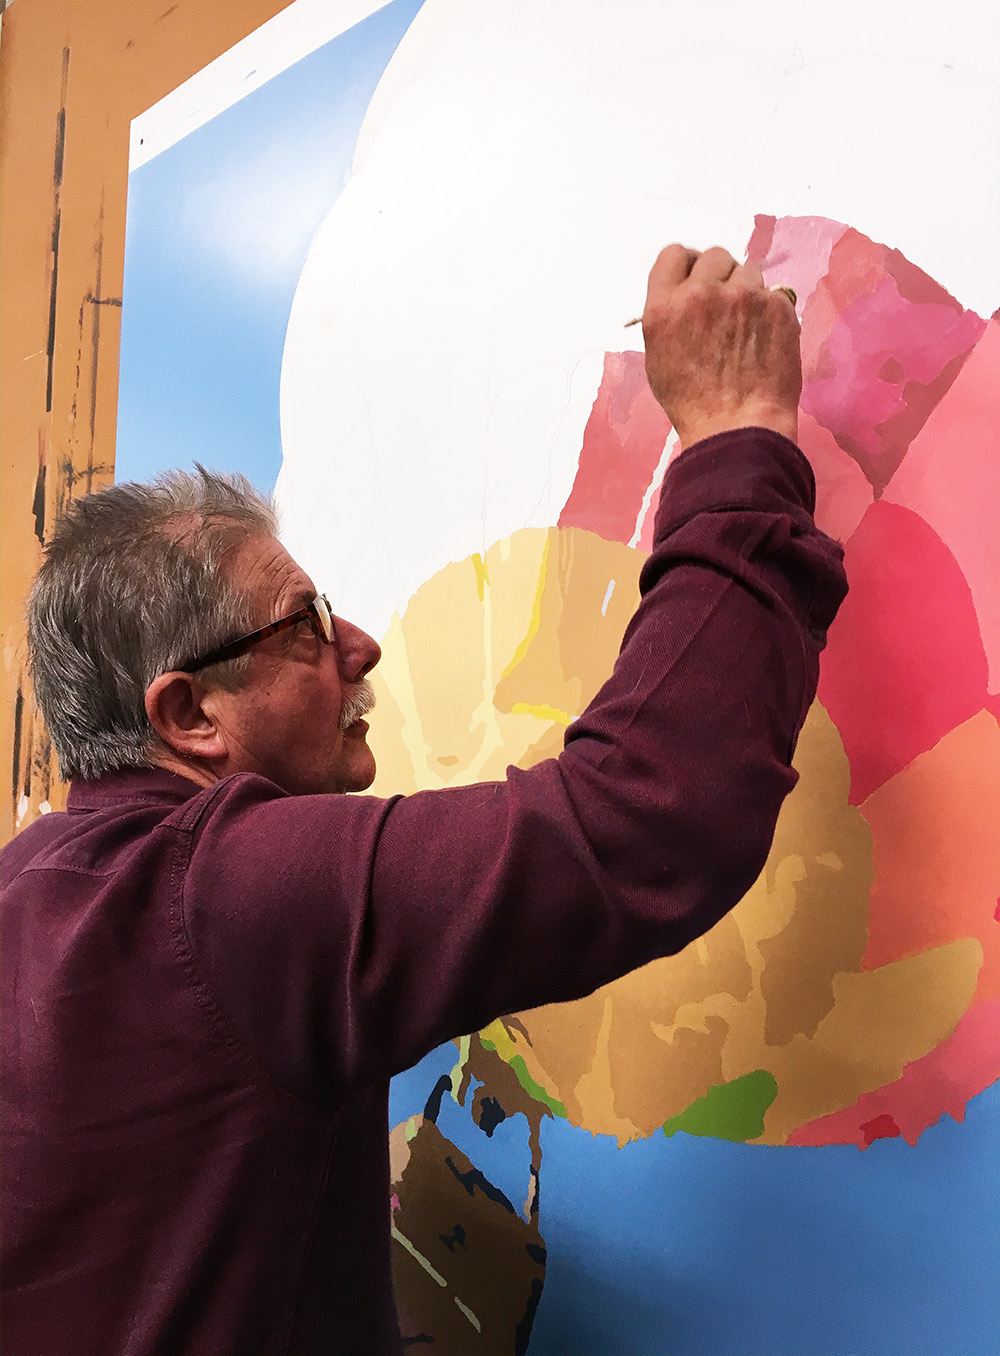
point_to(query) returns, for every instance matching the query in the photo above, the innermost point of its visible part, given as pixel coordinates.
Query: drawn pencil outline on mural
(834, 1005)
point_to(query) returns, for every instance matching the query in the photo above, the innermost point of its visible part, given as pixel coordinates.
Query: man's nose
(357, 652)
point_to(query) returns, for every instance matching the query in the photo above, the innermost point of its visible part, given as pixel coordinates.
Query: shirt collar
(134, 785)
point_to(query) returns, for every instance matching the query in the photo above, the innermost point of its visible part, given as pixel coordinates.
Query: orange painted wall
(73, 73)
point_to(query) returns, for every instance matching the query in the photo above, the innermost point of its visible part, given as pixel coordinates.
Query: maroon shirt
(206, 991)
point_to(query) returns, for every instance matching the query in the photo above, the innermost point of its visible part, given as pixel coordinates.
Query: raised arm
(407, 921)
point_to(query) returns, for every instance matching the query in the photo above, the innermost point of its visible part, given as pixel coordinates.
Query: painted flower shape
(852, 993)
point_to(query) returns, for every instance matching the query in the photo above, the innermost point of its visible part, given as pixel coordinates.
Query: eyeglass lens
(325, 617)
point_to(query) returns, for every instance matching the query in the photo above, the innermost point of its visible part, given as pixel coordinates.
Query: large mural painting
(777, 1142)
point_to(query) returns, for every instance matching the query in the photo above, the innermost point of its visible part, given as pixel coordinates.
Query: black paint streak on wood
(51, 346)
(26, 787)
(69, 477)
(57, 178)
(49, 756)
(38, 504)
(96, 335)
(41, 764)
(18, 720)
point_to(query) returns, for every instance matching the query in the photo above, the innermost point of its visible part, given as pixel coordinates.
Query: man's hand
(722, 352)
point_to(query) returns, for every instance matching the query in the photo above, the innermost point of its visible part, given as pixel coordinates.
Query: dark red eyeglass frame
(318, 612)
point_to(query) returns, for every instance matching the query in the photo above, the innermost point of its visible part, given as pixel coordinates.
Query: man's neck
(171, 761)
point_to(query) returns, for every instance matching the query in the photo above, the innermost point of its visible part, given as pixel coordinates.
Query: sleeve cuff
(746, 468)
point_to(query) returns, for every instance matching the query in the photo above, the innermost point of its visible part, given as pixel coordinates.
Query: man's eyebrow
(300, 598)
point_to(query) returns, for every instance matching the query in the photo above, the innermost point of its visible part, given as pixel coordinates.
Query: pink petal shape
(881, 343)
(843, 493)
(951, 477)
(794, 251)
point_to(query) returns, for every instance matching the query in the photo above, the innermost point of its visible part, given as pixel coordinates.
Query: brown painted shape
(471, 1270)
(639, 1051)
(72, 77)
(781, 984)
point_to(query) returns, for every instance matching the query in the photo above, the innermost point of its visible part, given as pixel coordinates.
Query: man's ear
(178, 714)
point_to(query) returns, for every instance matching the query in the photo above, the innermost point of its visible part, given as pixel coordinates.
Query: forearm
(678, 768)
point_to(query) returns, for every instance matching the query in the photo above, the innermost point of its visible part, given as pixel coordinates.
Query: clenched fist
(722, 352)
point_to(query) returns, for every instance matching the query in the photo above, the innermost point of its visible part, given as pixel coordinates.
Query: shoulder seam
(215, 1015)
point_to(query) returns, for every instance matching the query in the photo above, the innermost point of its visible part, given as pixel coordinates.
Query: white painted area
(521, 163)
(670, 450)
(263, 54)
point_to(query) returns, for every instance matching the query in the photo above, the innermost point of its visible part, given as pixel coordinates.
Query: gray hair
(132, 585)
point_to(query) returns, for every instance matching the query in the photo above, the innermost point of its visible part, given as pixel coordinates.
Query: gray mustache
(358, 704)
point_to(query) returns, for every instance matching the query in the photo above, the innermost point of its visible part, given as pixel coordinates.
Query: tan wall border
(73, 74)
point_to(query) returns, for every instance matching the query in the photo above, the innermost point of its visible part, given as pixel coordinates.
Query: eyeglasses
(317, 612)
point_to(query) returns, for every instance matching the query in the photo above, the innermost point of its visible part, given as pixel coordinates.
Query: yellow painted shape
(535, 615)
(497, 1036)
(482, 574)
(542, 712)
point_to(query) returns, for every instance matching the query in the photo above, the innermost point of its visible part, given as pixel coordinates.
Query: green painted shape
(732, 1111)
(527, 1082)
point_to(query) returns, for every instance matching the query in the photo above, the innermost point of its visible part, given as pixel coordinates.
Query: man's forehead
(264, 569)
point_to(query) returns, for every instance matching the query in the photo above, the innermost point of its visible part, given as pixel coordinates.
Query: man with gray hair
(214, 960)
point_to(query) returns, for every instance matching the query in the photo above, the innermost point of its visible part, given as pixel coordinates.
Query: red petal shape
(622, 443)
(905, 662)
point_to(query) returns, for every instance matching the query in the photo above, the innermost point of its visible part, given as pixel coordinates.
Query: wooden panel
(73, 73)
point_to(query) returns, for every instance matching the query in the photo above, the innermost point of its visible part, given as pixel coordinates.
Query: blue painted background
(203, 325)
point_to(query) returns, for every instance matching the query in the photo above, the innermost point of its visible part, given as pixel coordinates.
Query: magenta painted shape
(881, 340)
(881, 343)
(905, 662)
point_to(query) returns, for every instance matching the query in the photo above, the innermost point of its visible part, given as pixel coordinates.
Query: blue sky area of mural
(217, 230)
(683, 1245)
